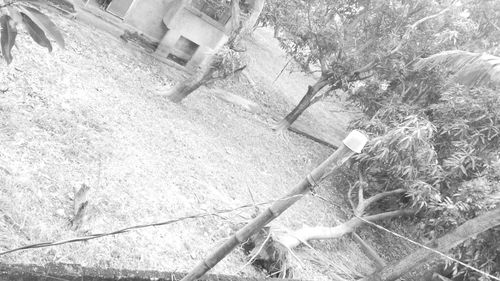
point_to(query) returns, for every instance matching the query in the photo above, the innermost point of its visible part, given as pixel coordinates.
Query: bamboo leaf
(48, 27)
(36, 33)
(8, 37)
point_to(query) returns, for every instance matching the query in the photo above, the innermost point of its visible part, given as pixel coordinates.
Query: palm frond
(469, 69)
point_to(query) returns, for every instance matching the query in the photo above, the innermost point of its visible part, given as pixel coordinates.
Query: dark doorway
(183, 51)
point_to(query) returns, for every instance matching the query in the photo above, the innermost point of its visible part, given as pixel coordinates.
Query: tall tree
(351, 40)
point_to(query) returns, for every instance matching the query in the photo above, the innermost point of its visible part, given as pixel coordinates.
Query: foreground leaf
(48, 27)
(36, 32)
(65, 5)
(8, 37)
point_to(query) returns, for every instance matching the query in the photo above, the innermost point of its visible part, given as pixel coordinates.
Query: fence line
(207, 214)
(136, 227)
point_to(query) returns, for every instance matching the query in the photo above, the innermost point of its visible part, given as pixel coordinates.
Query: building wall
(196, 27)
(147, 17)
(165, 21)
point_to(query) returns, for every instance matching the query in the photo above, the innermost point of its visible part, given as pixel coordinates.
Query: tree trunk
(182, 89)
(248, 25)
(444, 244)
(314, 233)
(304, 103)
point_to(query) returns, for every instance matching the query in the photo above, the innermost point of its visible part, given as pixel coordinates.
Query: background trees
(347, 41)
(433, 122)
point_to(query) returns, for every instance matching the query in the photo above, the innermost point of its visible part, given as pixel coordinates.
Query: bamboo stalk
(354, 142)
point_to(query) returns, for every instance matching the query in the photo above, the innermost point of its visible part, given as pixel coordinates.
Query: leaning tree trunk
(182, 89)
(304, 103)
(444, 244)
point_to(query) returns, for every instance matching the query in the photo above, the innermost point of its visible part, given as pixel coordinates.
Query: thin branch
(369, 251)
(321, 58)
(412, 27)
(388, 215)
(379, 196)
(361, 195)
(491, 22)
(349, 196)
(283, 69)
(254, 257)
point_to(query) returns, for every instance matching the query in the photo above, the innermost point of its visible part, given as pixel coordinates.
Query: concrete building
(187, 32)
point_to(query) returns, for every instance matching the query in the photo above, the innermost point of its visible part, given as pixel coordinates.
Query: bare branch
(349, 196)
(392, 214)
(361, 195)
(379, 196)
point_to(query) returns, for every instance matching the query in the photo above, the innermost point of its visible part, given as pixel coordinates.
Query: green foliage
(481, 252)
(444, 152)
(226, 62)
(469, 122)
(37, 24)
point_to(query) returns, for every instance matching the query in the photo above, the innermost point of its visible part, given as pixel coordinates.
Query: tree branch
(369, 251)
(295, 238)
(349, 197)
(407, 34)
(382, 195)
(392, 214)
(412, 27)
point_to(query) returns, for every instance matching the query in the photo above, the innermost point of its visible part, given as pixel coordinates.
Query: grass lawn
(94, 114)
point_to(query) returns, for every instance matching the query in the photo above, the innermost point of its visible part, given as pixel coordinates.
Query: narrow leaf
(8, 37)
(36, 33)
(64, 5)
(48, 27)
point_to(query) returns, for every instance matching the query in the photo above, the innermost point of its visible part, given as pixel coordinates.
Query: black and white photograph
(249, 140)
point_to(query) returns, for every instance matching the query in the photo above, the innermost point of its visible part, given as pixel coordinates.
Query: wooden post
(353, 143)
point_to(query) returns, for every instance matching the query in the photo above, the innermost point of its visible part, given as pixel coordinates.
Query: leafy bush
(443, 149)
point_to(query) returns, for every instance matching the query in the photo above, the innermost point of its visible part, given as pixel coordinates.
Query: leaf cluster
(443, 150)
(27, 13)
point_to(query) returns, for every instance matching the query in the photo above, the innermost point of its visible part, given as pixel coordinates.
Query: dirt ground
(94, 113)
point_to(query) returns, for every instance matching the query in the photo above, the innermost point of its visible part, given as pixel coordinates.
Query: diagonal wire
(140, 226)
(428, 248)
(413, 242)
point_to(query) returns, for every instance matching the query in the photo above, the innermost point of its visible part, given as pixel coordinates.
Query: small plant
(27, 13)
